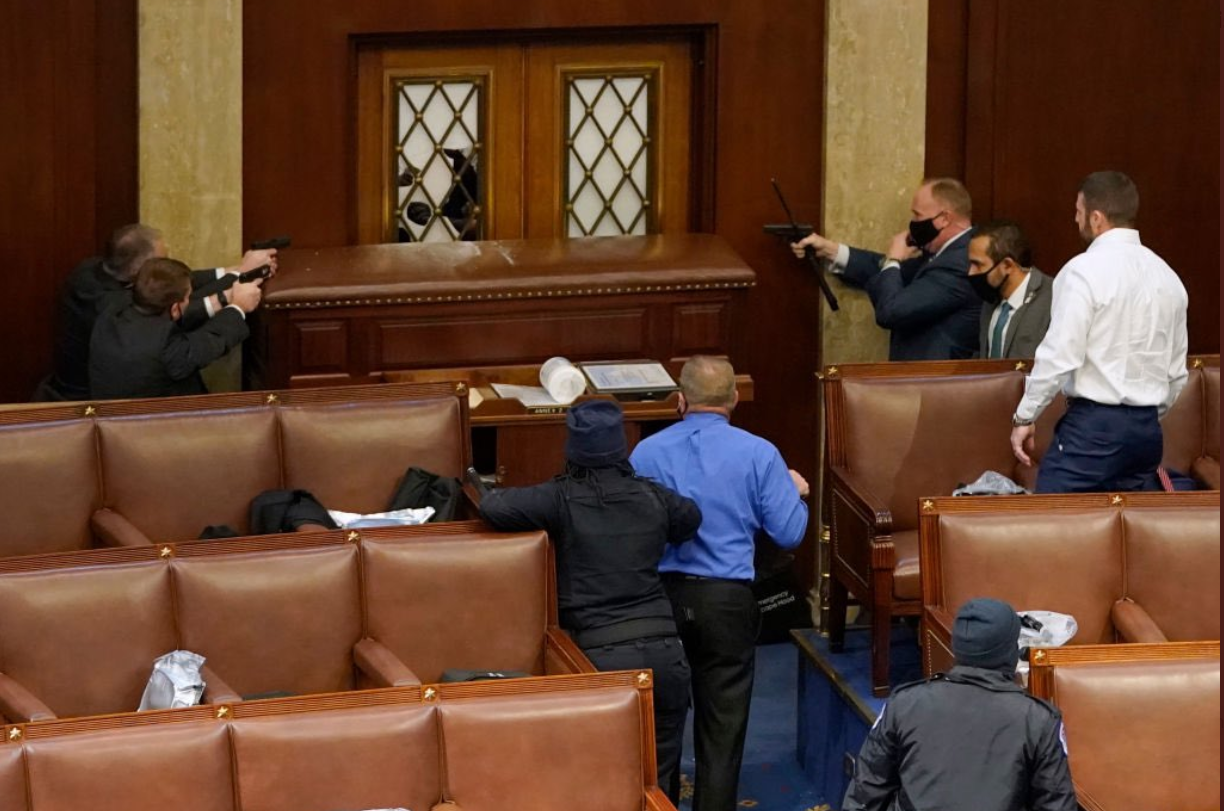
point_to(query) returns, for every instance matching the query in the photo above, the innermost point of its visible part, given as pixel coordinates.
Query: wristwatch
(1017, 422)
(886, 261)
(222, 299)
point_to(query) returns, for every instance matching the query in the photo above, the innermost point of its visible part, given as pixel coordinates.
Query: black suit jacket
(1028, 323)
(134, 354)
(90, 290)
(928, 306)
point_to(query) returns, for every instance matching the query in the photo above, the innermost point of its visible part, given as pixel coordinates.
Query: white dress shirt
(1117, 330)
(1016, 301)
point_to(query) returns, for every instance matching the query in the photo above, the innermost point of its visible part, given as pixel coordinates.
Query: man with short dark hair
(609, 529)
(968, 740)
(141, 349)
(103, 281)
(1116, 347)
(743, 488)
(918, 286)
(1016, 294)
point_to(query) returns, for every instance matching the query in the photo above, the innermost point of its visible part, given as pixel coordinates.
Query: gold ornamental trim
(504, 296)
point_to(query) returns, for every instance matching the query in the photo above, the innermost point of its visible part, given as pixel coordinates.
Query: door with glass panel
(524, 140)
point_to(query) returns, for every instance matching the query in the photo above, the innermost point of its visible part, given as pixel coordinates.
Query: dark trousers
(718, 622)
(1098, 448)
(665, 657)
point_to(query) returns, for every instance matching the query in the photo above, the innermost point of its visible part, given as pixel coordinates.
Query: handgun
(269, 244)
(261, 272)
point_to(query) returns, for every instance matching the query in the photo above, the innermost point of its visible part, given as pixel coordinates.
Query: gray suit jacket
(1028, 324)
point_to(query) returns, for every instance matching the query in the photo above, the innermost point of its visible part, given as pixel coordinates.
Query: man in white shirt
(1116, 347)
(918, 286)
(1017, 296)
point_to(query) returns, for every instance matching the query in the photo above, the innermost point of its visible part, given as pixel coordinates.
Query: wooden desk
(353, 314)
(523, 445)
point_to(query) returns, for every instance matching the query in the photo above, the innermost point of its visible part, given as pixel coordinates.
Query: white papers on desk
(396, 518)
(628, 377)
(529, 396)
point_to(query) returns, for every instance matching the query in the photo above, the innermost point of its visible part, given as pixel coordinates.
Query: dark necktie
(996, 337)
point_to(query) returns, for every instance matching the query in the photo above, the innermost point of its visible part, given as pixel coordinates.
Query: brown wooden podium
(355, 314)
(524, 445)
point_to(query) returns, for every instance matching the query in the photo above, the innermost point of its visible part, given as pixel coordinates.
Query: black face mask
(982, 286)
(923, 232)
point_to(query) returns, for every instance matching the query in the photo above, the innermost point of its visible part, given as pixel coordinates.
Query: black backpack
(420, 488)
(285, 510)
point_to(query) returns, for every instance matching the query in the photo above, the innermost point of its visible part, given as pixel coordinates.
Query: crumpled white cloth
(990, 483)
(396, 518)
(176, 682)
(1056, 631)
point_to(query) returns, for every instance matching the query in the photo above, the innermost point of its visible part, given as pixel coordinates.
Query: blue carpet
(771, 778)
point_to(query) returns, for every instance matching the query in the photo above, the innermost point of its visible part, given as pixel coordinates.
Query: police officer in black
(609, 529)
(970, 739)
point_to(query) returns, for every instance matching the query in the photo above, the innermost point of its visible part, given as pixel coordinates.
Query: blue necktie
(996, 338)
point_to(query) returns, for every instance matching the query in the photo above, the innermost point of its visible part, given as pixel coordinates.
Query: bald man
(919, 286)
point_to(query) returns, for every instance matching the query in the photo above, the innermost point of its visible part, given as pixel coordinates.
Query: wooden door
(536, 139)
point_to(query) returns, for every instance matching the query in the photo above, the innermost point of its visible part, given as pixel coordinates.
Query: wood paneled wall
(1026, 97)
(763, 70)
(67, 159)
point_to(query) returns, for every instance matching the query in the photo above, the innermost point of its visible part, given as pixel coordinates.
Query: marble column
(190, 62)
(874, 153)
(875, 143)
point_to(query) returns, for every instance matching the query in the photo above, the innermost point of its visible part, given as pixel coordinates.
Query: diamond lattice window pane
(608, 172)
(439, 194)
(588, 208)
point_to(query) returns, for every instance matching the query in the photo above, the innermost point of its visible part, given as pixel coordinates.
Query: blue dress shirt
(741, 485)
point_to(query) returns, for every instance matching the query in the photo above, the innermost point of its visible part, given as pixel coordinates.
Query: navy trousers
(1100, 448)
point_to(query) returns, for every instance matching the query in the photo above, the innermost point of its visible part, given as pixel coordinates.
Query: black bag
(780, 598)
(214, 531)
(449, 676)
(285, 510)
(420, 488)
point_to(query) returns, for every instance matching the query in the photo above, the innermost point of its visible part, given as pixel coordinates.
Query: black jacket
(135, 354)
(928, 306)
(609, 528)
(968, 740)
(88, 292)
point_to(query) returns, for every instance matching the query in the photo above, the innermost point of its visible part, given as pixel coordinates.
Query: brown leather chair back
(1143, 734)
(185, 767)
(1064, 561)
(173, 475)
(84, 641)
(1173, 568)
(373, 757)
(283, 621)
(1182, 426)
(498, 751)
(474, 603)
(50, 475)
(12, 779)
(353, 458)
(915, 437)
